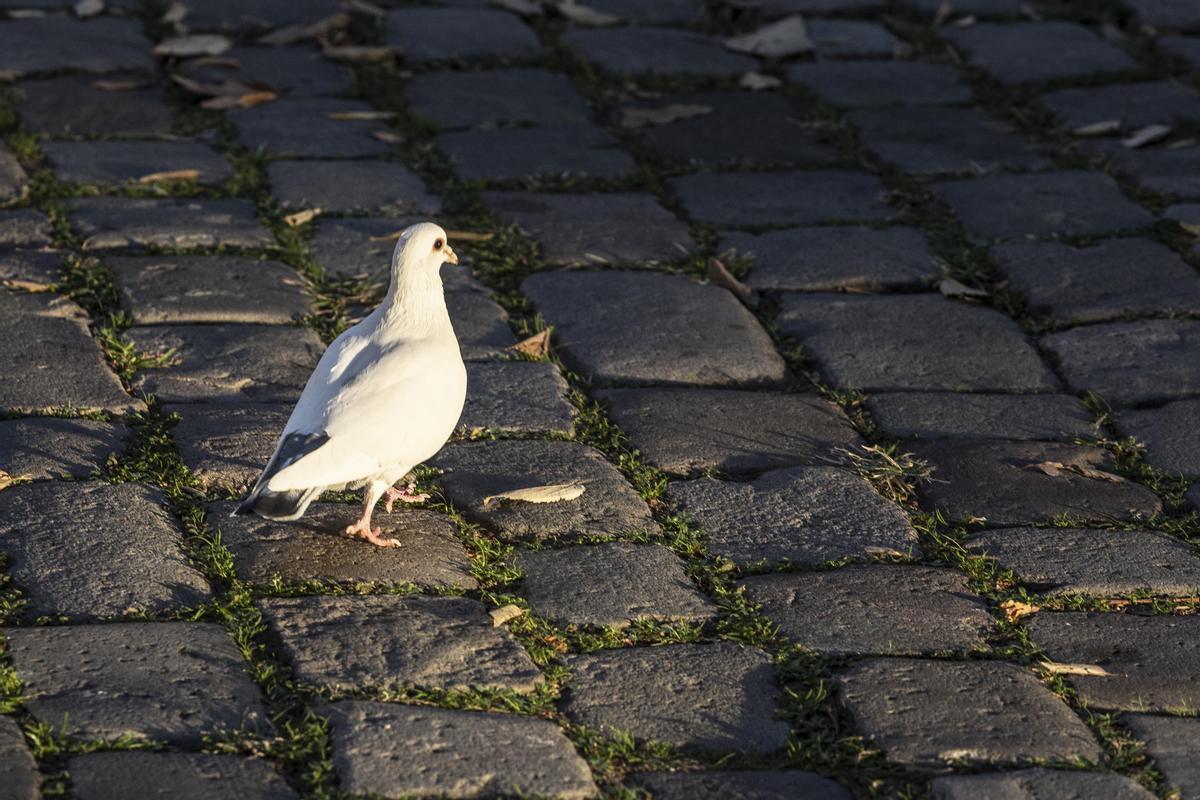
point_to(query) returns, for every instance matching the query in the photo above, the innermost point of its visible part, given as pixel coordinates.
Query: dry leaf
(345, 116)
(1181, 144)
(471, 236)
(952, 288)
(505, 614)
(1076, 669)
(174, 15)
(24, 286)
(301, 217)
(1031, 12)
(88, 8)
(1147, 135)
(787, 37)
(641, 117)
(7, 480)
(1101, 128)
(225, 88)
(249, 100)
(756, 81)
(201, 44)
(1015, 609)
(391, 137)
(363, 7)
(26, 13)
(290, 34)
(117, 86)
(554, 493)
(945, 11)
(584, 15)
(1057, 469)
(357, 53)
(964, 22)
(720, 276)
(387, 237)
(536, 346)
(173, 175)
(525, 8)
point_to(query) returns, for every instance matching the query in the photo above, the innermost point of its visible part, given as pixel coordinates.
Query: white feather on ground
(386, 396)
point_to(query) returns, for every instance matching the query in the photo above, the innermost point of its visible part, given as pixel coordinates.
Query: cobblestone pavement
(902, 510)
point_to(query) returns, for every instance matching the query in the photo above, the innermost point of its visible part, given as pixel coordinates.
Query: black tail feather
(283, 505)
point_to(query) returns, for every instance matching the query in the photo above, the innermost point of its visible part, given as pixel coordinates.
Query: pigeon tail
(288, 505)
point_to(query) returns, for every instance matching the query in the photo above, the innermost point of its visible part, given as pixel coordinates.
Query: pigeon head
(423, 248)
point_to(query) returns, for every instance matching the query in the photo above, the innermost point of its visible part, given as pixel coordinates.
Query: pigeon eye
(437, 244)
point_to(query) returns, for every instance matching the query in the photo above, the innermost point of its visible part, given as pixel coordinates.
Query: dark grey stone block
(18, 771)
(639, 327)
(360, 248)
(939, 141)
(1030, 784)
(1046, 204)
(1169, 435)
(496, 96)
(237, 16)
(474, 471)
(215, 363)
(806, 515)
(108, 222)
(176, 289)
(1003, 483)
(1015, 52)
(62, 42)
(658, 51)
(1193, 495)
(927, 713)
(517, 397)
(42, 448)
(984, 8)
(661, 12)
(915, 341)
(1170, 171)
(1049, 417)
(1136, 105)
(30, 267)
(113, 162)
(1152, 663)
(715, 697)
(226, 445)
(1186, 48)
(580, 230)
(828, 259)
(174, 682)
(776, 8)
(50, 360)
(344, 187)
(1165, 14)
(849, 38)
(1127, 363)
(480, 323)
(446, 753)
(1103, 563)
(1106, 281)
(741, 128)
(874, 609)
(510, 154)
(72, 105)
(684, 431)
(14, 183)
(25, 227)
(185, 776)
(96, 550)
(295, 71)
(313, 549)
(875, 84)
(301, 127)
(783, 198)
(745, 785)
(422, 35)
(611, 584)
(1170, 742)
(390, 641)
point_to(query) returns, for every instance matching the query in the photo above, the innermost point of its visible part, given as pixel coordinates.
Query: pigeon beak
(451, 256)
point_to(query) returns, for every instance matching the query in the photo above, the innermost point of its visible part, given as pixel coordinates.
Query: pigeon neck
(415, 302)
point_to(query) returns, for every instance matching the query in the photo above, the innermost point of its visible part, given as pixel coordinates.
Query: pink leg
(362, 528)
(406, 495)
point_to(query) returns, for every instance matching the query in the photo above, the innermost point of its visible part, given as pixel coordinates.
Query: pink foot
(363, 530)
(405, 495)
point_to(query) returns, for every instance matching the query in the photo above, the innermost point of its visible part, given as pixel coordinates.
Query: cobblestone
(1165, 432)
(1169, 743)
(783, 198)
(488, 98)
(657, 51)
(110, 222)
(30, 268)
(42, 448)
(225, 445)
(57, 41)
(18, 771)
(14, 183)
(120, 162)
(302, 127)
(347, 187)
(1010, 51)
(1028, 784)
(719, 696)
(872, 84)
(748, 785)
(938, 415)
(72, 105)
(296, 71)
(462, 34)
(517, 397)
(1136, 105)
(24, 226)
(511, 154)
(195, 776)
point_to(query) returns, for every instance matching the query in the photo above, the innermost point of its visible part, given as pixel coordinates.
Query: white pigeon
(385, 397)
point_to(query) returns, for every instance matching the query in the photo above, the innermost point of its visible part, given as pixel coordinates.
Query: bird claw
(405, 495)
(372, 535)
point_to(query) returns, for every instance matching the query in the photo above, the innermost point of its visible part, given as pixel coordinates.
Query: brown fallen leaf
(471, 236)
(1015, 609)
(290, 34)
(945, 11)
(536, 346)
(964, 22)
(1147, 135)
(117, 86)
(584, 15)
(1076, 669)
(505, 614)
(1101, 128)
(23, 285)
(26, 13)
(357, 52)
(1181, 144)
(1057, 469)
(172, 175)
(525, 8)
(201, 44)
(782, 39)
(350, 116)
(174, 14)
(719, 275)
(757, 81)
(553, 493)
(301, 217)
(952, 288)
(7, 480)
(641, 117)
(86, 9)
(363, 7)
(391, 137)
(249, 100)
